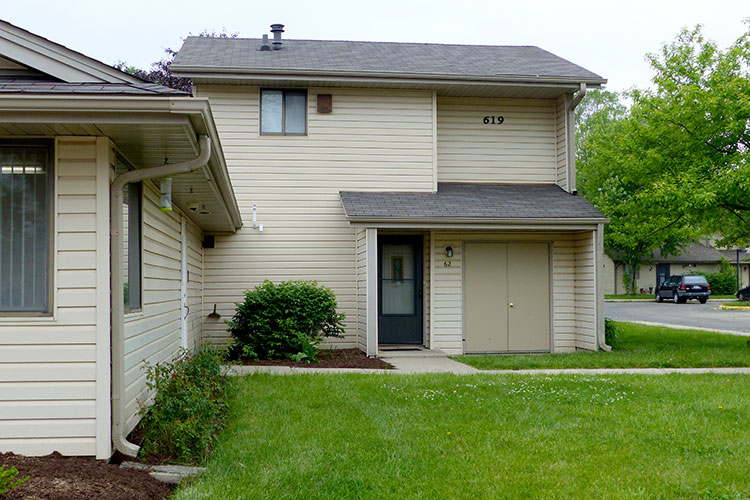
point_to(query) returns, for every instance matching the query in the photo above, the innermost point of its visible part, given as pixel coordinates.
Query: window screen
(25, 226)
(283, 112)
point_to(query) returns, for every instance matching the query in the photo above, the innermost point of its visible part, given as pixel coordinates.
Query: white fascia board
(54, 59)
(475, 223)
(369, 77)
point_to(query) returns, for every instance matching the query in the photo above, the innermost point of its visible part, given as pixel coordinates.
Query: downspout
(116, 255)
(572, 137)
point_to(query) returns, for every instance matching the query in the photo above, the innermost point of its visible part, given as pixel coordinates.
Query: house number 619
(493, 120)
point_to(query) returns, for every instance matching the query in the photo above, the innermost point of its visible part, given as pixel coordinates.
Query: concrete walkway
(434, 364)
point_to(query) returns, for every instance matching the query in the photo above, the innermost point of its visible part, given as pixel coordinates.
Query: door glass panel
(398, 279)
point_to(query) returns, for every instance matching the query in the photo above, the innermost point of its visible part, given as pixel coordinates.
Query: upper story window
(26, 184)
(283, 112)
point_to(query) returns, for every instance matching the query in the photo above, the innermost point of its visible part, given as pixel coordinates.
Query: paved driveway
(692, 313)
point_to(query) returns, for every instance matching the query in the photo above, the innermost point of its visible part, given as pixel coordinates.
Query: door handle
(511, 304)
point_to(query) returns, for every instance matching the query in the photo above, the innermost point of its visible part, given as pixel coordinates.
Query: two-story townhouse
(432, 187)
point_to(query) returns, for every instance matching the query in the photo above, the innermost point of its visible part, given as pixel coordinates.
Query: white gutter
(225, 71)
(116, 255)
(453, 221)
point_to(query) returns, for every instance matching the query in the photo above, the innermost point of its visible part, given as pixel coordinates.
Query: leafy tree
(696, 123)
(674, 165)
(615, 175)
(159, 71)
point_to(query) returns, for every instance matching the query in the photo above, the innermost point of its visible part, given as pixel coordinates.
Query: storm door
(400, 289)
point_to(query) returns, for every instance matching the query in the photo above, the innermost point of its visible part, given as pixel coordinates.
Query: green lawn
(650, 296)
(737, 303)
(637, 346)
(482, 437)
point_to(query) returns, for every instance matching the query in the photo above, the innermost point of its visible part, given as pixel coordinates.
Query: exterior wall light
(449, 251)
(165, 203)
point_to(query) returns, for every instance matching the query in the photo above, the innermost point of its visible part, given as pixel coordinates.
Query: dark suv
(682, 287)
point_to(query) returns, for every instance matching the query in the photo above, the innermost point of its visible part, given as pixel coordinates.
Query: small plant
(610, 331)
(9, 479)
(285, 320)
(188, 410)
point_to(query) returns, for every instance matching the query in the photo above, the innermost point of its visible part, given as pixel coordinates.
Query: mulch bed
(55, 477)
(334, 358)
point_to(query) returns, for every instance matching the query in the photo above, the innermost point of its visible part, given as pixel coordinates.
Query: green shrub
(610, 331)
(9, 479)
(188, 410)
(722, 283)
(285, 320)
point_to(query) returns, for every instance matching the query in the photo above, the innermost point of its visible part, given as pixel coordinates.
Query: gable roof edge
(54, 59)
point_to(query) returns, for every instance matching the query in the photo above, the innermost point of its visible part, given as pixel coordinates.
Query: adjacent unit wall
(153, 334)
(54, 371)
(373, 140)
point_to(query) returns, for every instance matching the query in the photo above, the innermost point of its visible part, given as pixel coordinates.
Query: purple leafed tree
(159, 71)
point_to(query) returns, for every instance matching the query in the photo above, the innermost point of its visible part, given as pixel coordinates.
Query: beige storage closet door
(506, 297)
(485, 296)
(528, 291)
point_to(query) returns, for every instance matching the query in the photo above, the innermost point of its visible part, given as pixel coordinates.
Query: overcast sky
(608, 38)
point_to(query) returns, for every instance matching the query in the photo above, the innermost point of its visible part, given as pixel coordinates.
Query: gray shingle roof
(731, 256)
(693, 253)
(472, 201)
(377, 57)
(24, 86)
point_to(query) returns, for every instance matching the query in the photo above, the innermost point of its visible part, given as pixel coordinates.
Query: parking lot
(690, 314)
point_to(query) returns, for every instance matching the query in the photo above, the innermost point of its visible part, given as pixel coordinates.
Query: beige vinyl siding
(446, 332)
(563, 293)
(361, 276)
(194, 285)
(153, 333)
(561, 140)
(373, 140)
(585, 290)
(48, 385)
(572, 288)
(523, 149)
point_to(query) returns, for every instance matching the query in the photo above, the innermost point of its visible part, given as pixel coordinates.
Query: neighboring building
(744, 263)
(696, 257)
(432, 187)
(69, 125)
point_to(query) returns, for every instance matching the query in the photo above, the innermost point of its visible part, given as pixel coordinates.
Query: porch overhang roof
(473, 205)
(147, 131)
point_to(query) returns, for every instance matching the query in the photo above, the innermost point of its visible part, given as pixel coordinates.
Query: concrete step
(411, 353)
(171, 474)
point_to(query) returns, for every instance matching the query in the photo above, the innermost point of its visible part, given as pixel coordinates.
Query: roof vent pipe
(265, 45)
(277, 30)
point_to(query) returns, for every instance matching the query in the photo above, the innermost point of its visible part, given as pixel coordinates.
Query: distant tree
(674, 165)
(617, 178)
(696, 126)
(159, 71)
